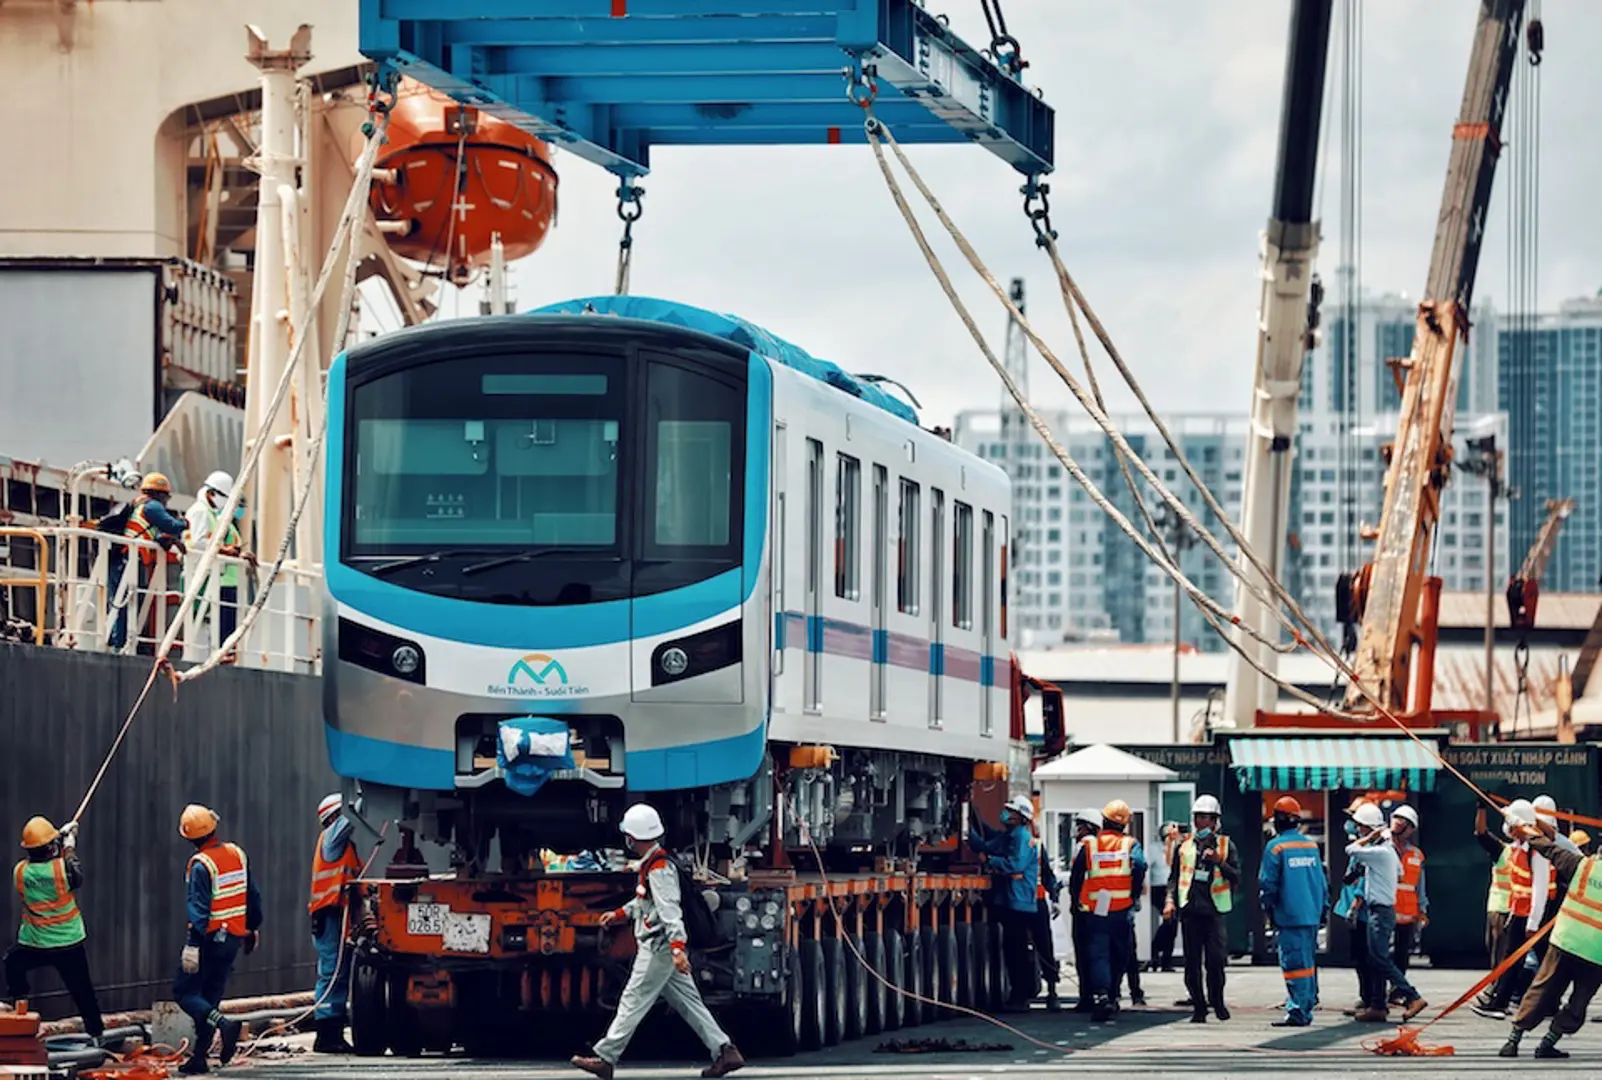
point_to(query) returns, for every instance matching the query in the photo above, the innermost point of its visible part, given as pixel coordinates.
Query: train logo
(537, 675)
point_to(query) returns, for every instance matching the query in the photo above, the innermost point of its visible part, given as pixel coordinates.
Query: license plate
(466, 933)
(426, 920)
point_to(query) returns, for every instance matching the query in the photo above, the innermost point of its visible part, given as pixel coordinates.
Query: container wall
(249, 744)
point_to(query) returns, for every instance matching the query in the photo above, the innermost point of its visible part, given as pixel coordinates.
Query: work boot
(1372, 1016)
(195, 1066)
(1103, 1012)
(1290, 1022)
(1510, 1049)
(1137, 997)
(595, 1066)
(727, 1061)
(229, 1030)
(1414, 1007)
(1550, 1051)
(1199, 1016)
(1222, 1011)
(1052, 1004)
(331, 1037)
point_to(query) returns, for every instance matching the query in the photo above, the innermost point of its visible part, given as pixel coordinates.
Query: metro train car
(734, 579)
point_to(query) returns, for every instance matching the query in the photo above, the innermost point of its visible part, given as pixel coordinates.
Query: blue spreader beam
(609, 79)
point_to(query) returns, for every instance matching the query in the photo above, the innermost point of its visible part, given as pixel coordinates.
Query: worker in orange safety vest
(1108, 873)
(335, 865)
(224, 916)
(1523, 909)
(1412, 898)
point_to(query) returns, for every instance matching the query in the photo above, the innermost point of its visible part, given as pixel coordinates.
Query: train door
(779, 564)
(813, 664)
(937, 607)
(881, 534)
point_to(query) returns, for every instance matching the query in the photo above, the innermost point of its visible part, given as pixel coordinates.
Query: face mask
(1351, 829)
(1202, 834)
(239, 513)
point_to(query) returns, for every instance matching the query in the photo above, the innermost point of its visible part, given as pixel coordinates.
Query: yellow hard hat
(197, 821)
(156, 482)
(1579, 838)
(1116, 811)
(38, 832)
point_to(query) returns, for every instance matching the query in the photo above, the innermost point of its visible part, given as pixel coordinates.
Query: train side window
(962, 567)
(1005, 553)
(907, 548)
(847, 528)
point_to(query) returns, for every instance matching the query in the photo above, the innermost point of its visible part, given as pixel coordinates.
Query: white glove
(69, 835)
(191, 959)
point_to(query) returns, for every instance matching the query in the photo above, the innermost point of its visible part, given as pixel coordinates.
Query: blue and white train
(754, 590)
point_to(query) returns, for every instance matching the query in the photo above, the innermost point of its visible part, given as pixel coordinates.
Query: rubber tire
(895, 969)
(814, 985)
(368, 1005)
(965, 971)
(982, 992)
(1000, 984)
(834, 991)
(912, 1013)
(852, 955)
(791, 1018)
(404, 1028)
(929, 943)
(946, 938)
(873, 991)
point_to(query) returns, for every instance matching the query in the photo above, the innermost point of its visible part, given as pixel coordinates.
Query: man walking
(662, 957)
(1382, 872)
(224, 917)
(52, 933)
(1203, 893)
(1014, 856)
(1294, 893)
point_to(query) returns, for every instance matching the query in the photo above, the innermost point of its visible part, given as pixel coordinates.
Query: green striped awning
(1320, 764)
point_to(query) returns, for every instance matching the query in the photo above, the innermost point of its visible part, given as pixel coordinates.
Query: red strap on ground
(1405, 1042)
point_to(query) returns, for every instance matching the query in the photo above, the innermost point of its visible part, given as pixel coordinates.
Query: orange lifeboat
(453, 178)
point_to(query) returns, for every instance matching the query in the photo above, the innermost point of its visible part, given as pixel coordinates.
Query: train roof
(736, 330)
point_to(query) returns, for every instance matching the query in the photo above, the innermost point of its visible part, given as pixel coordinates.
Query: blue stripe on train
(816, 628)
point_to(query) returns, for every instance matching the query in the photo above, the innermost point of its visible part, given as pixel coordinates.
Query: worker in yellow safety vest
(52, 933)
(335, 865)
(1573, 962)
(204, 520)
(224, 914)
(1203, 894)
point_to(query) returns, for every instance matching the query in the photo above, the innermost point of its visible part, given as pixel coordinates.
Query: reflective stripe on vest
(329, 878)
(1521, 882)
(229, 874)
(1108, 869)
(1500, 900)
(1407, 888)
(229, 579)
(1222, 893)
(1578, 929)
(50, 918)
(140, 529)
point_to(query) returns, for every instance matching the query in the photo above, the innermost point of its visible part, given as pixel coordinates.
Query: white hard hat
(1207, 804)
(1407, 814)
(220, 482)
(1519, 812)
(330, 806)
(1023, 806)
(1546, 808)
(642, 822)
(1089, 817)
(1368, 815)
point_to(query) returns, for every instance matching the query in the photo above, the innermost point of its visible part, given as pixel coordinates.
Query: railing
(83, 589)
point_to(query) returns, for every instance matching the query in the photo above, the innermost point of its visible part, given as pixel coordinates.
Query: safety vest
(1222, 893)
(1578, 930)
(1521, 880)
(229, 874)
(329, 877)
(1407, 888)
(229, 578)
(139, 528)
(1108, 869)
(1500, 899)
(50, 918)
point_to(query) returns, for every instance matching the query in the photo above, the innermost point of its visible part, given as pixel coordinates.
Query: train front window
(693, 445)
(505, 453)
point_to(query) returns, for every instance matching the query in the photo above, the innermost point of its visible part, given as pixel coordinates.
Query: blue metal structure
(609, 79)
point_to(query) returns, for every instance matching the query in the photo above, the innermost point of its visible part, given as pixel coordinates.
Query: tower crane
(1287, 323)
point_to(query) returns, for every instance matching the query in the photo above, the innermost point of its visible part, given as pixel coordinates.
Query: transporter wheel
(912, 1005)
(852, 956)
(895, 970)
(929, 942)
(369, 1027)
(947, 940)
(405, 1028)
(1000, 984)
(834, 991)
(873, 990)
(814, 984)
(965, 972)
(789, 1021)
(983, 992)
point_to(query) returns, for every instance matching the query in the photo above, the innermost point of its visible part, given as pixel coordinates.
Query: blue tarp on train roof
(735, 329)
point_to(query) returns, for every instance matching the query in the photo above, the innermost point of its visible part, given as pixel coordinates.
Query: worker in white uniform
(662, 960)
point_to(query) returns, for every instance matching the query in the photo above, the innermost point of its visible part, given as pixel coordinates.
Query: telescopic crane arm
(1287, 321)
(1420, 458)
(1524, 587)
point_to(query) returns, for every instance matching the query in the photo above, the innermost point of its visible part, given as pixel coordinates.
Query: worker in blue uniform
(1108, 873)
(1012, 856)
(335, 865)
(1295, 895)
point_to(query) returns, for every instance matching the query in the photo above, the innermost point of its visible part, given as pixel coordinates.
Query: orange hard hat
(38, 832)
(197, 821)
(157, 482)
(1287, 805)
(1116, 811)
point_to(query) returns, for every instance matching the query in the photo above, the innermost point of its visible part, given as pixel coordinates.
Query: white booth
(1089, 779)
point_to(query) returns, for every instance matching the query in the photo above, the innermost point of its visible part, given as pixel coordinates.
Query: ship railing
(69, 587)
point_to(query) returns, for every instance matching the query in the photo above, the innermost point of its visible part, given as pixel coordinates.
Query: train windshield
(544, 478)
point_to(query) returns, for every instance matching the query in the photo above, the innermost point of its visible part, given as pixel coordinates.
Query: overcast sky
(1167, 115)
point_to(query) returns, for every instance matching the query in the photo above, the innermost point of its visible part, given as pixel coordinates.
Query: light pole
(1179, 538)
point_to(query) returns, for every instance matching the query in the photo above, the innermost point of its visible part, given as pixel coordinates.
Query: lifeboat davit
(442, 155)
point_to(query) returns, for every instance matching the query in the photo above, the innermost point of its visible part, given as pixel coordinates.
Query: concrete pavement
(1156, 1042)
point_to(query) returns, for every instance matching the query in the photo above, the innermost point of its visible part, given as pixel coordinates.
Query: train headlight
(404, 659)
(674, 661)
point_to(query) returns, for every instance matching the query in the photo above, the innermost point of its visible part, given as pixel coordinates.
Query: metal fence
(247, 743)
(67, 585)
